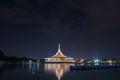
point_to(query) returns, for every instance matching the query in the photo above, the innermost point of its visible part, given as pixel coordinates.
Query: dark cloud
(85, 24)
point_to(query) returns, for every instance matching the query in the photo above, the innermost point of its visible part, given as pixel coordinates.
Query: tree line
(3, 57)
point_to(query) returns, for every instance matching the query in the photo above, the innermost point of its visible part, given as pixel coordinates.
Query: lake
(53, 71)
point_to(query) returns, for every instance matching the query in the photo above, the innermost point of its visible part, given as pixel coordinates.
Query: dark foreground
(40, 71)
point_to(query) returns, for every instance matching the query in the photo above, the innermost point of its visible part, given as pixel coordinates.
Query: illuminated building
(59, 57)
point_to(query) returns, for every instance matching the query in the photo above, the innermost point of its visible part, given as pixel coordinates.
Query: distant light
(82, 60)
(96, 60)
(110, 61)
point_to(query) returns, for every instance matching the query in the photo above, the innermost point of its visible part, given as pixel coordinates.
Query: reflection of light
(33, 68)
(82, 64)
(30, 61)
(59, 72)
(96, 64)
(58, 69)
(30, 65)
(89, 64)
(23, 64)
(38, 65)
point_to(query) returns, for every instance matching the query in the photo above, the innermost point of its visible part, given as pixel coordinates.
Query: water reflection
(37, 71)
(33, 66)
(38, 66)
(30, 65)
(58, 69)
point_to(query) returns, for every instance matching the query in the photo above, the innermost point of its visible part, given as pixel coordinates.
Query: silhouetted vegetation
(3, 57)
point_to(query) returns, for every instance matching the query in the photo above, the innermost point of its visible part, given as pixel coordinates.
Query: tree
(2, 55)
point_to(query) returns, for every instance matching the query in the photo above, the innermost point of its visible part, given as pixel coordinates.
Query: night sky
(85, 28)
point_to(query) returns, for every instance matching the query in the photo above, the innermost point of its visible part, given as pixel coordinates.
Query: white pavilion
(59, 57)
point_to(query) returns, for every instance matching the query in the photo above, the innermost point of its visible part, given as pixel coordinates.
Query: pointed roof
(59, 53)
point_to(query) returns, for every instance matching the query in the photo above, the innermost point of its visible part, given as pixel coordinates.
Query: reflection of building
(58, 69)
(59, 57)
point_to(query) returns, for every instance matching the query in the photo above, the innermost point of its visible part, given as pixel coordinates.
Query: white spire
(59, 49)
(59, 52)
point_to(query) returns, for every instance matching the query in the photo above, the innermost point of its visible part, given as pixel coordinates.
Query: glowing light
(110, 62)
(82, 60)
(96, 60)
